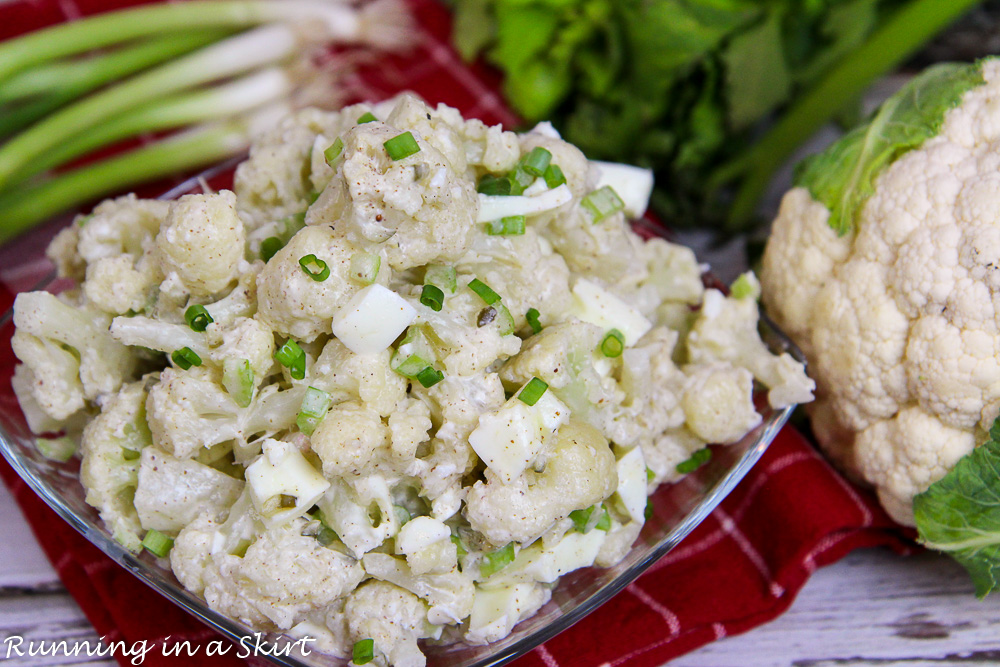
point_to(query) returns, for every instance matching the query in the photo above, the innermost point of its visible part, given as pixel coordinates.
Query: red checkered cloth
(742, 567)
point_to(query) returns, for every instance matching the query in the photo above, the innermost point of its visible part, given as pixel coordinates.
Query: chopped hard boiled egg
(592, 303)
(573, 551)
(283, 485)
(634, 185)
(372, 319)
(495, 612)
(495, 207)
(632, 483)
(419, 533)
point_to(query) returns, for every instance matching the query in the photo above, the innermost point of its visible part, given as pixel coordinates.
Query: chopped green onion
(650, 475)
(432, 297)
(315, 404)
(291, 356)
(537, 161)
(512, 225)
(402, 514)
(333, 151)
(581, 518)
(237, 378)
(459, 547)
(56, 449)
(186, 358)
(648, 512)
(130, 454)
(364, 267)
(604, 523)
(742, 288)
(401, 146)
(429, 377)
(411, 366)
(602, 203)
(613, 344)
(532, 391)
(493, 185)
(554, 176)
(157, 543)
(533, 321)
(441, 276)
(326, 535)
(315, 268)
(269, 247)
(364, 651)
(505, 320)
(484, 291)
(497, 560)
(197, 317)
(366, 117)
(697, 460)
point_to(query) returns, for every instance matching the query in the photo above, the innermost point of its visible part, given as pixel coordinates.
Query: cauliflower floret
(416, 209)
(718, 402)
(291, 302)
(664, 451)
(114, 285)
(579, 472)
(366, 377)
(245, 338)
(489, 147)
(361, 512)
(283, 576)
(726, 330)
(673, 270)
(172, 492)
(191, 554)
(189, 410)
(57, 341)
(126, 225)
(449, 594)
(63, 253)
(393, 617)
(436, 126)
(408, 428)
(202, 242)
(350, 439)
(109, 468)
(904, 455)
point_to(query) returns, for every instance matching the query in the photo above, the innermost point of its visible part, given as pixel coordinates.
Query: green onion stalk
(889, 46)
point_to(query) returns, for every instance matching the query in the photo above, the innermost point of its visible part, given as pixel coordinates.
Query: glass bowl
(677, 508)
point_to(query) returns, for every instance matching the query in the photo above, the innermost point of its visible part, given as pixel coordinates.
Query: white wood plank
(22, 562)
(36, 622)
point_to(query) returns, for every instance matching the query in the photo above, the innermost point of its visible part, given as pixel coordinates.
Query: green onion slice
(401, 146)
(326, 535)
(459, 547)
(364, 267)
(648, 512)
(157, 543)
(315, 268)
(512, 225)
(364, 651)
(537, 161)
(291, 356)
(554, 176)
(494, 185)
(402, 514)
(604, 523)
(333, 152)
(441, 276)
(197, 317)
(497, 560)
(650, 475)
(581, 518)
(697, 460)
(602, 203)
(432, 297)
(315, 404)
(269, 247)
(613, 344)
(237, 378)
(57, 449)
(533, 321)
(532, 391)
(484, 291)
(742, 288)
(186, 358)
(429, 377)
(366, 117)
(505, 321)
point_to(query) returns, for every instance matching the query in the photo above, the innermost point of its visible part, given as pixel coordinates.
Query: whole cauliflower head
(894, 296)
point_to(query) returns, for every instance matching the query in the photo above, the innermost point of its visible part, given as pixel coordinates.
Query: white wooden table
(872, 608)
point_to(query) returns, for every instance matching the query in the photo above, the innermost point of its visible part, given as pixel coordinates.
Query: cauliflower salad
(403, 377)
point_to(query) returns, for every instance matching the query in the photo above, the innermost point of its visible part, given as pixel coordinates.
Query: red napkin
(742, 567)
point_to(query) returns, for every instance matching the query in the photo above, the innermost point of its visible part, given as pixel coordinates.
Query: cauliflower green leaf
(843, 176)
(960, 514)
